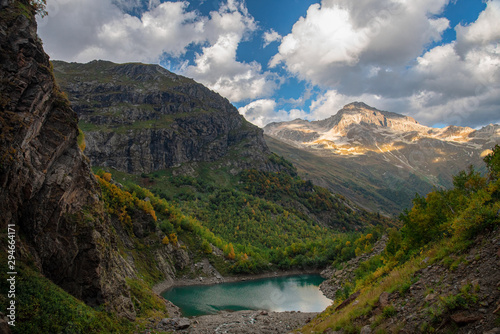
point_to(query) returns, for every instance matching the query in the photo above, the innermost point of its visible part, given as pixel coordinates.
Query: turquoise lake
(285, 293)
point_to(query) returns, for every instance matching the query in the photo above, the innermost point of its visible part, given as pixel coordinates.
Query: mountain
(48, 194)
(144, 120)
(140, 118)
(376, 158)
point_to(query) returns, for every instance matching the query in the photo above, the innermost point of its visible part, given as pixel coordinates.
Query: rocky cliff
(376, 158)
(142, 118)
(47, 190)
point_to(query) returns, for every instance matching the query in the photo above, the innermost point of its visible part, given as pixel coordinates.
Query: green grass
(43, 307)
(146, 304)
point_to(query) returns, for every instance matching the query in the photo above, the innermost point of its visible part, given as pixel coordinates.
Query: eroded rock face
(142, 118)
(47, 189)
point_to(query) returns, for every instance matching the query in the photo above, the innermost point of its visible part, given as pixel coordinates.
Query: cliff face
(47, 190)
(142, 118)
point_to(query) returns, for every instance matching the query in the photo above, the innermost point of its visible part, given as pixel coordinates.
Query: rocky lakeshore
(250, 321)
(255, 322)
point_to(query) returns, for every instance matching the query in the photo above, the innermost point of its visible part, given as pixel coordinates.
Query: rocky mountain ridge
(51, 198)
(358, 128)
(376, 158)
(140, 118)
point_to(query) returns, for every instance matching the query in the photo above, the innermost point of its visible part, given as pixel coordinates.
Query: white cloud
(262, 112)
(340, 37)
(271, 36)
(217, 67)
(363, 50)
(484, 31)
(83, 30)
(321, 39)
(378, 59)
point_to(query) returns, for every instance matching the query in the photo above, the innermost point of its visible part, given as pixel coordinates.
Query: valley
(379, 159)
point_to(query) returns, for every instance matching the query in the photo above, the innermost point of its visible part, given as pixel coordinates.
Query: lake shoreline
(160, 287)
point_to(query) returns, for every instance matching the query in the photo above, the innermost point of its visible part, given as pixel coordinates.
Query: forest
(261, 221)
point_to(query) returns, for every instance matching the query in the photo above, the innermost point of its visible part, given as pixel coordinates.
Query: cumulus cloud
(376, 52)
(459, 83)
(340, 37)
(264, 111)
(482, 32)
(217, 67)
(83, 30)
(271, 36)
(364, 50)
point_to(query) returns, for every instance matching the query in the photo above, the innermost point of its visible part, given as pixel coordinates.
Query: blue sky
(435, 60)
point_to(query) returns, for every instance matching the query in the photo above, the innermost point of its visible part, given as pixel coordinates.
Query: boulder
(464, 318)
(181, 323)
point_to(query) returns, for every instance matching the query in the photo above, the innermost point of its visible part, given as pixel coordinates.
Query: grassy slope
(263, 228)
(362, 182)
(437, 227)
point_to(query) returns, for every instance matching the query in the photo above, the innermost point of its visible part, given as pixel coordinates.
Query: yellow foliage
(173, 238)
(231, 255)
(81, 140)
(120, 202)
(165, 240)
(358, 251)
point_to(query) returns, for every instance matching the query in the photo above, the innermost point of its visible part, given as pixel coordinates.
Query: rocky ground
(254, 322)
(335, 277)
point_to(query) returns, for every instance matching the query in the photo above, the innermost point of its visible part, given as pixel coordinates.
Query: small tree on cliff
(39, 7)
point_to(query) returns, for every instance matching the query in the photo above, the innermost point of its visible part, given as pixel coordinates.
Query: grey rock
(493, 331)
(430, 297)
(171, 121)
(181, 323)
(366, 330)
(383, 300)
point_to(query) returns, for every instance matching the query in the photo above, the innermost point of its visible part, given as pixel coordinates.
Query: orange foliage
(173, 238)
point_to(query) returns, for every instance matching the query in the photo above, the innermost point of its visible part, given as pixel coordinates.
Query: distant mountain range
(376, 158)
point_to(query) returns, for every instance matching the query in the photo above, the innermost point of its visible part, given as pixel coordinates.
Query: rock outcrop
(142, 118)
(47, 191)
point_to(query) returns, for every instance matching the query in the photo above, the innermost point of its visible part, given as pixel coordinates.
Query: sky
(277, 60)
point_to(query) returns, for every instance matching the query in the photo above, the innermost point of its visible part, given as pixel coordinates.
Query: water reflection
(290, 293)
